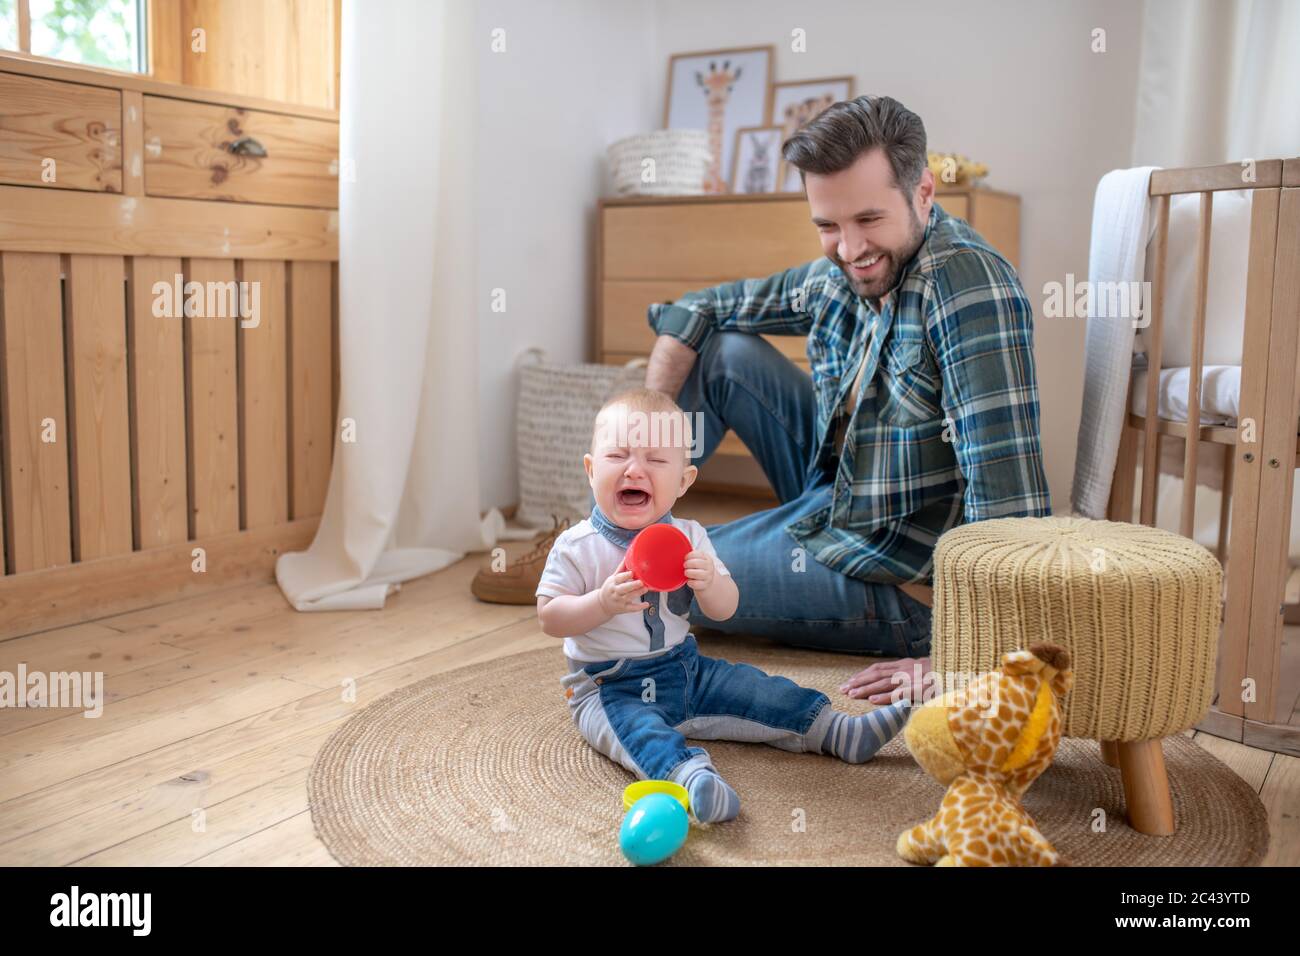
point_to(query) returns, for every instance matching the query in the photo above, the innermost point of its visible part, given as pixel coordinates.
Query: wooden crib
(1256, 686)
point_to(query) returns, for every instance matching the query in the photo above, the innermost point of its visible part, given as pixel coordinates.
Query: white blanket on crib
(1120, 224)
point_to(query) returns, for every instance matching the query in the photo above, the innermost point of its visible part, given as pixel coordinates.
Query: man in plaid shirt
(921, 412)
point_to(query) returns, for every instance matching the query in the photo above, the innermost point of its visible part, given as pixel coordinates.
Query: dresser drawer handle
(246, 146)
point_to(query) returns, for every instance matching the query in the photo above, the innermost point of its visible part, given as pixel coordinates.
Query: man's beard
(895, 261)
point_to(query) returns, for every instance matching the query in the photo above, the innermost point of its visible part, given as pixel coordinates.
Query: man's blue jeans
(742, 383)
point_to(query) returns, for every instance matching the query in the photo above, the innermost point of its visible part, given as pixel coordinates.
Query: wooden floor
(216, 706)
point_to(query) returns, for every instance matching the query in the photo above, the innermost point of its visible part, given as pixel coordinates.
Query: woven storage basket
(680, 159)
(1137, 607)
(554, 417)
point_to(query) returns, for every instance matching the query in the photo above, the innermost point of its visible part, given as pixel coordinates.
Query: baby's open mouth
(633, 498)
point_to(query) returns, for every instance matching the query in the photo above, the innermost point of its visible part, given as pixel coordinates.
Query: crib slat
(35, 470)
(1225, 501)
(213, 424)
(1193, 443)
(1120, 506)
(1151, 444)
(100, 433)
(263, 412)
(157, 348)
(1276, 480)
(1247, 521)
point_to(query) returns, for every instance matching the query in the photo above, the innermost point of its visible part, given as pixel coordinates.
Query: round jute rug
(482, 765)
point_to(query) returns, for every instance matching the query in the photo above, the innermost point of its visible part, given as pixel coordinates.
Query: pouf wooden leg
(1146, 787)
(1109, 753)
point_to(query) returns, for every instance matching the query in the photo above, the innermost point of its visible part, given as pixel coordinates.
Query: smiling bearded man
(921, 411)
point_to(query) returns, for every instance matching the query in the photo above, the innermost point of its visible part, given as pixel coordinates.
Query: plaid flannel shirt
(946, 430)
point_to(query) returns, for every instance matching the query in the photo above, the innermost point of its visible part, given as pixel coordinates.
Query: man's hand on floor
(878, 684)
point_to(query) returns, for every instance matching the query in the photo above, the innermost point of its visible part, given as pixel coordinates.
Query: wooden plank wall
(133, 435)
(38, 524)
(279, 49)
(125, 429)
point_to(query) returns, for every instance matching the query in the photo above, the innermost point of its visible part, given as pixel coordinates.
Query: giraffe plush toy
(988, 742)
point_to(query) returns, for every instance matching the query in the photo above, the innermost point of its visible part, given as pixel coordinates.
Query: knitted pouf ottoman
(1138, 609)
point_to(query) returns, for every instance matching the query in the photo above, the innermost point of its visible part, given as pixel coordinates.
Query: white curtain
(403, 497)
(1219, 82)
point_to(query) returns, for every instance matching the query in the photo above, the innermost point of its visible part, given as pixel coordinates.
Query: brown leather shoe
(517, 582)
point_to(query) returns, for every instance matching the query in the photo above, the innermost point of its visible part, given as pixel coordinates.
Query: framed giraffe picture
(797, 102)
(755, 159)
(719, 91)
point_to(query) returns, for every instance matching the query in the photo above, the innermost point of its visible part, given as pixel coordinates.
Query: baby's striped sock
(712, 799)
(856, 739)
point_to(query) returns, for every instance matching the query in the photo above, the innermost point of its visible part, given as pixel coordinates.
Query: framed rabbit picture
(755, 159)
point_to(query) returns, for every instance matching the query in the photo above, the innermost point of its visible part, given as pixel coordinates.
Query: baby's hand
(621, 593)
(700, 570)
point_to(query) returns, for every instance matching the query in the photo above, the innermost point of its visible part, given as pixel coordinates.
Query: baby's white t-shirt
(580, 561)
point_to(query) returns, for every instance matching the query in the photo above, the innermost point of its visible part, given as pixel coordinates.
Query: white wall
(1013, 84)
(576, 75)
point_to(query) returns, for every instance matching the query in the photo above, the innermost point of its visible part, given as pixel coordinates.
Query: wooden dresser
(655, 249)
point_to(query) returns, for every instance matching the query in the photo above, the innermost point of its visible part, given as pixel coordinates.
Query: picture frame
(719, 91)
(796, 102)
(756, 160)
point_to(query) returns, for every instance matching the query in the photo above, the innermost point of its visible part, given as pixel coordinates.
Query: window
(107, 33)
(8, 25)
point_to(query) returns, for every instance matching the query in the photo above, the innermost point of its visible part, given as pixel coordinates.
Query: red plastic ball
(657, 557)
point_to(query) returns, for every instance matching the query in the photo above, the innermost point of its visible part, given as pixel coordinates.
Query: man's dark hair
(842, 132)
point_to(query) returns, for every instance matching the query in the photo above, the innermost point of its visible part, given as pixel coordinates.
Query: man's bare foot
(878, 684)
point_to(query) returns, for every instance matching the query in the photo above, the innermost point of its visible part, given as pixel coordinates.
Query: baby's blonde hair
(655, 403)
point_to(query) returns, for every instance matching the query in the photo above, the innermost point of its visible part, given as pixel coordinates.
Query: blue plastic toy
(653, 830)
